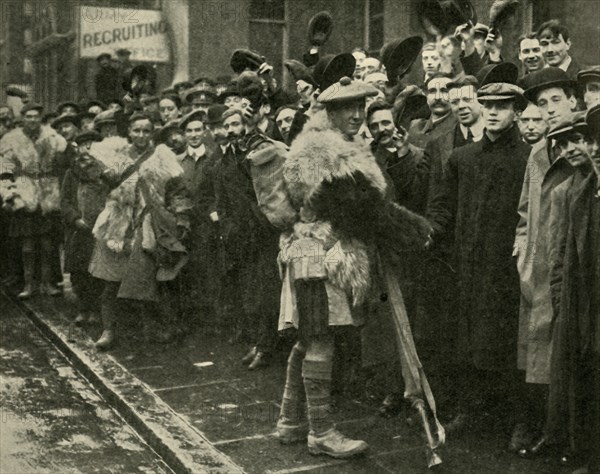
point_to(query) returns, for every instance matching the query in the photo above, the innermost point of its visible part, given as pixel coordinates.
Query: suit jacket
(422, 131)
(573, 69)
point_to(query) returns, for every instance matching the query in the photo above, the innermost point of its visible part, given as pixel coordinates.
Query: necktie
(469, 136)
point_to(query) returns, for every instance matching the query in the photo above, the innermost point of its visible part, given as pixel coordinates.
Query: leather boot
(250, 355)
(107, 339)
(261, 360)
(28, 272)
(48, 287)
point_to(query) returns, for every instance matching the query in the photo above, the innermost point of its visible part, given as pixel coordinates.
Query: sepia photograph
(299, 236)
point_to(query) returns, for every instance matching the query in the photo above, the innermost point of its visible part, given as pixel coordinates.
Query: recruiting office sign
(105, 30)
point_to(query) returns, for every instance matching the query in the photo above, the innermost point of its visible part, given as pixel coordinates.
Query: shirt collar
(566, 63)
(476, 130)
(196, 153)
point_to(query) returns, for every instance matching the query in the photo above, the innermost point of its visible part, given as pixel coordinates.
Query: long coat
(575, 373)
(532, 249)
(422, 131)
(250, 242)
(80, 198)
(479, 201)
(200, 284)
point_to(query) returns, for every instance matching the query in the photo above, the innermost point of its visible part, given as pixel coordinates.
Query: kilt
(313, 308)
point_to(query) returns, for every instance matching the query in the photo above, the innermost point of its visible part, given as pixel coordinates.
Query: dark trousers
(87, 289)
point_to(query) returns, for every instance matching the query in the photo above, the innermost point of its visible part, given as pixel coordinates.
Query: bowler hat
(299, 71)
(92, 103)
(330, 69)
(575, 123)
(68, 103)
(504, 72)
(65, 118)
(193, 115)
(142, 72)
(87, 136)
(215, 113)
(319, 28)
(446, 15)
(593, 120)
(481, 29)
(502, 91)
(151, 99)
(243, 59)
(102, 56)
(123, 52)
(543, 79)
(31, 106)
(399, 55)
(347, 90)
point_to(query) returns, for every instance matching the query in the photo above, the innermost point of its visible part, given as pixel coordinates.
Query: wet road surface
(52, 421)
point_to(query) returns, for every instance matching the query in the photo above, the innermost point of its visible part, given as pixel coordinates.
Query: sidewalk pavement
(202, 411)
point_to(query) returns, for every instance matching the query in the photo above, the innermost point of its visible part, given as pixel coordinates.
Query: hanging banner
(105, 30)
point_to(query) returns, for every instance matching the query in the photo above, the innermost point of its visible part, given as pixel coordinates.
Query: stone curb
(183, 448)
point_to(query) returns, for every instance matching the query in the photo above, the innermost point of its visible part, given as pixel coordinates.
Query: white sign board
(105, 30)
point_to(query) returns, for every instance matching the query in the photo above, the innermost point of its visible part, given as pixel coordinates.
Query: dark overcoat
(574, 398)
(250, 242)
(479, 201)
(201, 285)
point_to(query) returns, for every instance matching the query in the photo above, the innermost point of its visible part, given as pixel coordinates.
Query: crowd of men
(468, 202)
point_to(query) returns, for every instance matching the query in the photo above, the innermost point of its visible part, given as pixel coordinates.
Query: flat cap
(206, 93)
(16, 91)
(123, 52)
(193, 115)
(173, 98)
(139, 115)
(65, 118)
(543, 79)
(593, 120)
(502, 91)
(182, 85)
(481, 29)
(101, 56)
(229, 91)
(92, 103)
(590, 74)
(31, 106)
(87, 136)
(347, 90)
(106, 116)
(575, 123)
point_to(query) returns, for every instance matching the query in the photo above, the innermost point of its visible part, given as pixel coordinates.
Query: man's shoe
(51, 290)
(249, 357)
(542, 445)
(260, 361)
(521, 438)
(106, 340)
(26, 293)
(290, 433)
(335, 444)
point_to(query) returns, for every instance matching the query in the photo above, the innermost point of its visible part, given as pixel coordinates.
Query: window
(268, 31)
(374, 22)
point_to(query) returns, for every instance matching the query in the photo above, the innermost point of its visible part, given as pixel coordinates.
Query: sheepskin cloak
(310, 207)
(126, 231)
(33, 165)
